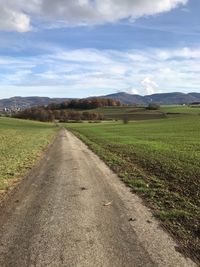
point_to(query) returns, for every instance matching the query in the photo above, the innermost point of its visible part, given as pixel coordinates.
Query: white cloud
(150, 85)
(132, 91)
(17, 15)
(82, 55)
(184, 53)
(13, 20)
(88, 71)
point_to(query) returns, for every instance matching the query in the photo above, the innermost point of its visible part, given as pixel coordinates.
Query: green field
(180, 109)
(132, 113)
(164, 108)
(140, 113)
(160, 160)
(21, 144)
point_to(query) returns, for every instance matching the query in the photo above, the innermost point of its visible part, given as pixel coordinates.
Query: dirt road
(58, 217)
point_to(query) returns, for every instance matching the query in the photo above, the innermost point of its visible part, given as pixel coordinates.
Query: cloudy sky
(78, 48)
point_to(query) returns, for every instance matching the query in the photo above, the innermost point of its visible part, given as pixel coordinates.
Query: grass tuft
(173, 215)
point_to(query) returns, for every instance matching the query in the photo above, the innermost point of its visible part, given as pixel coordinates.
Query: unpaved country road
(57, 217)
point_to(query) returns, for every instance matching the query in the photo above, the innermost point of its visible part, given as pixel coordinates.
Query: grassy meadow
(21, 144)
(159, 160)
(141, 113)
(180, 109)
(164, 108)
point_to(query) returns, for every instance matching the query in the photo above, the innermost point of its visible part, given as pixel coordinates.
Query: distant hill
(27, 102)
(196, 95)
(171, 98)
(125, 98)
(164, 98)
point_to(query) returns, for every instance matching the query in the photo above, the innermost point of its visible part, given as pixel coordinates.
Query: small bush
(153, 106)
(125, 120)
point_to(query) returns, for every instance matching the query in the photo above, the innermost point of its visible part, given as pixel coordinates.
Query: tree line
(74, 110)
(47, 115)
(89, 103)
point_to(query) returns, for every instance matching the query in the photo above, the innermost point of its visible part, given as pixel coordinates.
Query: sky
(80, 48)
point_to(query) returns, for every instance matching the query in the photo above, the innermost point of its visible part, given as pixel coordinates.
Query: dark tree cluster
(153, 106)
(39, 114)
(89, 103)
(73, 110)
(79, 116)
(62, 115)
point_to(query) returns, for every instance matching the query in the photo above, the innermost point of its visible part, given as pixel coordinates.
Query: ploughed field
(159, 160)
(21, 144)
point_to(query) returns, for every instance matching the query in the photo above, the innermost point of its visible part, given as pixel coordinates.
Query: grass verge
(21, 144)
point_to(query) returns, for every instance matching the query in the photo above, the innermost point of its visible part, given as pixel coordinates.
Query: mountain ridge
(123, 97)
(160, 98)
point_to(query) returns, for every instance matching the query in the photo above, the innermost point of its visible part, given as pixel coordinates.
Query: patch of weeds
(173, 215)
(137, 185)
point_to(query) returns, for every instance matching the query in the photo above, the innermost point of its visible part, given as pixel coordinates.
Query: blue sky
(79, 48)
